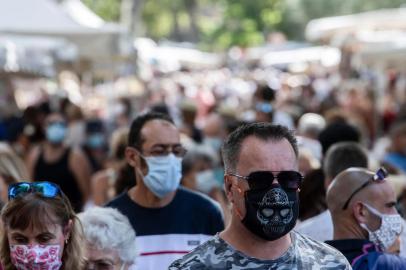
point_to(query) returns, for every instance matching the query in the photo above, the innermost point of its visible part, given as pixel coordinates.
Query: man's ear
(132, 156)
(360, 213)
(227, 185)
(135, 160)
(230, 187)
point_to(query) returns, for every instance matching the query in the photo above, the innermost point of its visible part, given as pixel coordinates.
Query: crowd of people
(222, 169)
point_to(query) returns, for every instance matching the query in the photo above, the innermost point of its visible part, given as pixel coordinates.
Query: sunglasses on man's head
(378, 177)
(289, 180)
(46, 189)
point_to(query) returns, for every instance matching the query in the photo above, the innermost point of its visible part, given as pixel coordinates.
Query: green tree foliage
(107, 9)
(245, 23)
(219, 24)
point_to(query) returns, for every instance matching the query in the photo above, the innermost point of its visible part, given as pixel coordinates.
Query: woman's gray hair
(107, 228)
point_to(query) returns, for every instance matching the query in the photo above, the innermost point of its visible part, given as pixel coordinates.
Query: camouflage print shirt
(303, 254)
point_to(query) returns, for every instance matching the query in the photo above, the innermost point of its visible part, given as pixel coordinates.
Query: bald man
(366, 222)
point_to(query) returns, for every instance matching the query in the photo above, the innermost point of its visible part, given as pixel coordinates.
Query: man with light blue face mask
(169, 221)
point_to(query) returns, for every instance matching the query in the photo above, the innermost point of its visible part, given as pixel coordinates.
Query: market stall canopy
(34, 55)
(169, 56)
(254, 55)
(326, 28)
(325, 55)
(381, 49)
(95, 39)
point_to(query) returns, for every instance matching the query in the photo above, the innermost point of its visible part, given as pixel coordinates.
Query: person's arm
(99, 188)
(30, 162)
(80, 166)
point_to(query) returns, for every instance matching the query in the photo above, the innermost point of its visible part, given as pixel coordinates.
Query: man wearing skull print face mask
(366, 222)
(169, 221)
(262, 184)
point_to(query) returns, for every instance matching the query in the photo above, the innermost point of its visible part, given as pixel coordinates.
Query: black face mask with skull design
(271, 214)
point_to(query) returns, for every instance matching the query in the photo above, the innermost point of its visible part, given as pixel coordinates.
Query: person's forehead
(383, 192)
(96, 254)
(54, 117)
(30, 231)
(160, 132)
(258, 154)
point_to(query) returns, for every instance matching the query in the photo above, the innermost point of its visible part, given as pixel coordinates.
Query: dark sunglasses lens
(17, 189)
(46, 189)
(260, 180)
(290, 179)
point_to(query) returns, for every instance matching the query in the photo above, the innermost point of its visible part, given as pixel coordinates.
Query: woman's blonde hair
(11, 165)
(36, 211)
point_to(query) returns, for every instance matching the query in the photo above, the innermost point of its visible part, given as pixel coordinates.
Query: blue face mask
(164, 174)
(95, 141)
(55, 133)
(214, 142)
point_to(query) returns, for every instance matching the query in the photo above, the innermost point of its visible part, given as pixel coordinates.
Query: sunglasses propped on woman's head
(46, 189)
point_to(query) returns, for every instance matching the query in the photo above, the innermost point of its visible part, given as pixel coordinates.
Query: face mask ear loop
(373, 211)
(143, 162)
(238, 213)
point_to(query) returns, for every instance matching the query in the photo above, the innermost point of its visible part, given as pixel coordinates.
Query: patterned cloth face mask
(35, 257)
(271, 213)
(390, 229)
(271, 209)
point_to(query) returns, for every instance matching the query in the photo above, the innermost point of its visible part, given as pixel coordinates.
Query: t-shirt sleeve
(188, 262)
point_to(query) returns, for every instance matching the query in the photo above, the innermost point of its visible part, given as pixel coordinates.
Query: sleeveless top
(58, 172)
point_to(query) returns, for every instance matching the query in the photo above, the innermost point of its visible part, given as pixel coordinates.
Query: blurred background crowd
(71, 83)
(79, 80)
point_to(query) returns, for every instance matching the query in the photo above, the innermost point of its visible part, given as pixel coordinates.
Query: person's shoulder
(390, 261)
(319, 227)
(119, 201)
(322, 254)
(196, 199)
(304, 241)
(197, 258)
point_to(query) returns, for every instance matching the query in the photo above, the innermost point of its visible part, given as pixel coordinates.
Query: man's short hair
(264, 131)
(107, 228)
(342, 156)
(338, 132)
(134, 138)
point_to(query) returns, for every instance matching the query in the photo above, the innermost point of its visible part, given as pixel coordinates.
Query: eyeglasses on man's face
(161, 150)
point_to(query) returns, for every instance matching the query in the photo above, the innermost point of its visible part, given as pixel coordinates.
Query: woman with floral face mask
(41, 230)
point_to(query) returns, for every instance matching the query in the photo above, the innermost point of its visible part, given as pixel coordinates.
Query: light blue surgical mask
(56, 133)
(206, 181)
(96, 140)
(164, 174)
(264, 107)
(214, 143)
